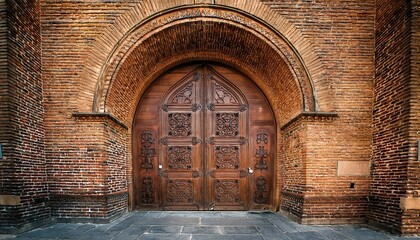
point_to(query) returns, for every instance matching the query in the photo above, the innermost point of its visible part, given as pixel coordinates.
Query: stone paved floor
(203, 225)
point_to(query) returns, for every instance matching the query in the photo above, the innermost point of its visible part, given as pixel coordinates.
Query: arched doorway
(203, 139)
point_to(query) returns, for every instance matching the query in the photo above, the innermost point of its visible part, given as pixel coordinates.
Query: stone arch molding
(113, 51)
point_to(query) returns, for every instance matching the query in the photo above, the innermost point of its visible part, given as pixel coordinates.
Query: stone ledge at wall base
(383, 227)
(18, 229)
(36, 224)
(90, 220)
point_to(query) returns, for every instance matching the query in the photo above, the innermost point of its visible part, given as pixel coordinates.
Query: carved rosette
(262, 138)
(179, 124)
(227, 124)
(147, 190)
(179, 157)
(227, 157)
(147, 151)
(227, 191)
(180, 191)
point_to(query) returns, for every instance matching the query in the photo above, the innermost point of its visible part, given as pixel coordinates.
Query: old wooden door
(193, 144)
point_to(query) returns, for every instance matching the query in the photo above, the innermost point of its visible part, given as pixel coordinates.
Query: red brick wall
(343, 39)
(411, 218)
(88, 176)
(342, 43)
(395, 117)
(89, 162)
(22, 168)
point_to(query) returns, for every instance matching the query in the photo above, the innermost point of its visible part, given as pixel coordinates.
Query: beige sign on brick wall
(353, 168)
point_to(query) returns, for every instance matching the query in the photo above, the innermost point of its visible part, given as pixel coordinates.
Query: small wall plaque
(418, 150)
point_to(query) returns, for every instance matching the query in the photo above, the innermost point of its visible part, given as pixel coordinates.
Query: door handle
(250, 170)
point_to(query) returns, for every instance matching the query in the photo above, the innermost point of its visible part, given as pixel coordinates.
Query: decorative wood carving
(262, 137)
(210, 140)
(211, 173)
(261, 195)
(164, 140)
(227, 191)
(165, 107)
(147, 152)
(242, 140)
(243, 173)
(184, 95)
(261, 156)
(222, 95)
(243, 108)
(197, 76)
(227, 124)
(147, 190)
(196, 107)
(227, 157)
(179, 124)
(210, 106)
(196, 140)
(197, 174)
(163, 173)
(179, 157)
(180, 191)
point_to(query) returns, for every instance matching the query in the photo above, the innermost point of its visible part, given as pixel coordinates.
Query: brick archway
(264, 51)
(205, 33)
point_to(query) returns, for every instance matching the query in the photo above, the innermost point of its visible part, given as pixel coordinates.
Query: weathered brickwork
(395, 119)
(321, 64)
(23, 180)
(90, 180)
(411, 218)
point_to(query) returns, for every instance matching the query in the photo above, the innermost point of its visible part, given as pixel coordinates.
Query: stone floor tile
(239, 230)
(271, 232)
(164, 229)
(253, 214)
(235, 221)
(165, 237)
(234, 214)
(132, 233)
(332, 234)
(201, 230)
(228, 237)
(306, 236)
(203, 225)
(364, 234)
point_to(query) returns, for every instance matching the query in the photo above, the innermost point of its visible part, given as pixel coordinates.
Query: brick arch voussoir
(112, 44)
(234, 17)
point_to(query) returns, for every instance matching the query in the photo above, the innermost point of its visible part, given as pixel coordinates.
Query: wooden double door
(203, 139)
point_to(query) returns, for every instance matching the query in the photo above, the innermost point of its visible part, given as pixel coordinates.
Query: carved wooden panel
(147, 190)
(179, 157)
(261, 193)
(180, 191)
(261, 156)
(147, 152)
(179, 124)
(227, 191)
(184, 95)
(262, 163)
(227, 157)
(223, 96)
(227, 124)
